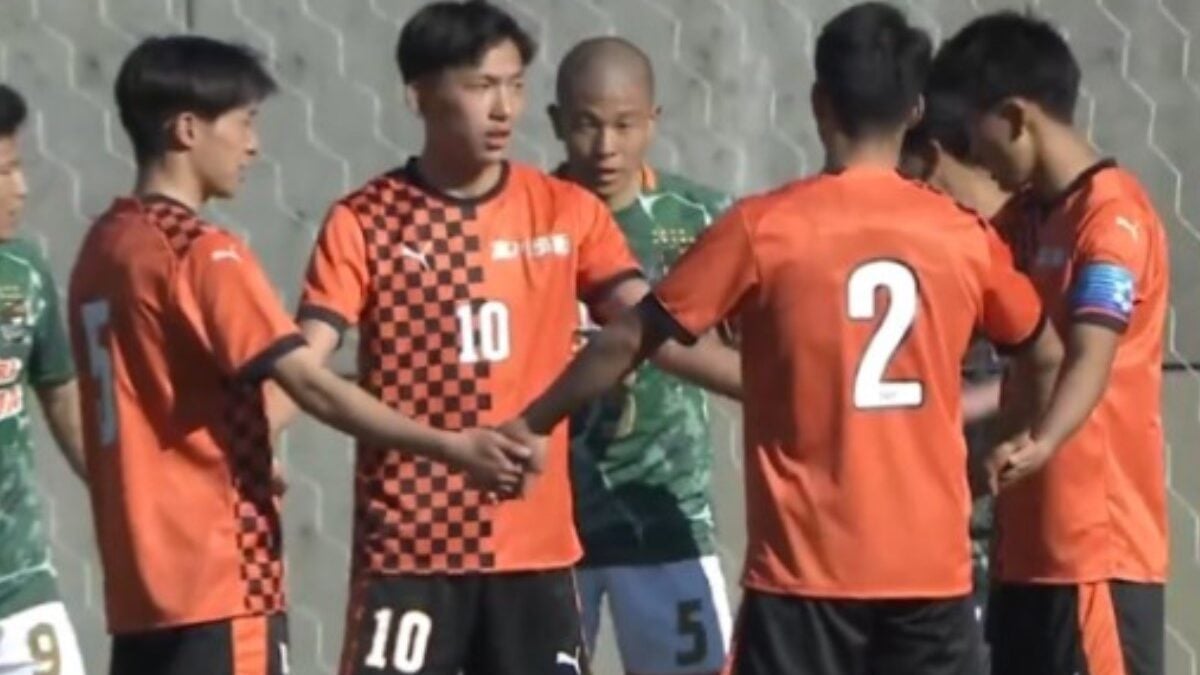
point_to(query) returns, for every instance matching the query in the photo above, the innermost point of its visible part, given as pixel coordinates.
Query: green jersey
(641, 456)
(33, 351)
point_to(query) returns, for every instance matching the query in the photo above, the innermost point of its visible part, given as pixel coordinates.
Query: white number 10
(412, 641)
(95, 320)
(483, 336)
(871, 391)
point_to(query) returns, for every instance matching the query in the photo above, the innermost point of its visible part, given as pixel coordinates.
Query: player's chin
(607, 184)
(491, 153)
(225, 189)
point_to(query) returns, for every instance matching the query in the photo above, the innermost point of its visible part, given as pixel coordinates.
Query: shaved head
(605, 116)
(601, 62)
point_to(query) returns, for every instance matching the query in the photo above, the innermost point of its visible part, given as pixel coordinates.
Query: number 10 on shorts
(411, 641)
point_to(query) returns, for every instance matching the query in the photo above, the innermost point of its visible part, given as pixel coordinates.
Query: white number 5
(95, 320)
(871, 391)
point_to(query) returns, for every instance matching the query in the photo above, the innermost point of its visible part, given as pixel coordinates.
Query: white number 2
(871, 391)
(95, 320)
(483, 336)
(412, 641)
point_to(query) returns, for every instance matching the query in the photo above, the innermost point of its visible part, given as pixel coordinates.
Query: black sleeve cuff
(52, 380)
(600, 291)
(1014, 349)
(660, 325)
(325, 315)
(259, 367)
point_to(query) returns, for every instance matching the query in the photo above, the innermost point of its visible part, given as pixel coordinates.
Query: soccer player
(857, 292)
(35, 632)
(462, 271)
(937, 150)
(641, 457)
(176, 327)
(1081, 548)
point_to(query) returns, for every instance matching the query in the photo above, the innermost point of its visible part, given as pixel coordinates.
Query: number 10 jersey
(466, 310)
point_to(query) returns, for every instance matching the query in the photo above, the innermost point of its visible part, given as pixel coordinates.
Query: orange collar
(649, 178)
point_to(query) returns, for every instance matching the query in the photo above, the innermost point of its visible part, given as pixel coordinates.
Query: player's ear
(183, 130)
(930, 153)
(412, 98)
(1015, 114)
(916, 114)
(554, 112)
(654, 114)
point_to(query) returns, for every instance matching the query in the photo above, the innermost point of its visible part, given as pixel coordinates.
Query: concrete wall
(734, 79)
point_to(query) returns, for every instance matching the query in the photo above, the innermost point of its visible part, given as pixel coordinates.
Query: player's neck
(843, 153)
(619, 199)
(626, 196)
(462, 180)
(1064, 155)
(170, 179)
(986, 198)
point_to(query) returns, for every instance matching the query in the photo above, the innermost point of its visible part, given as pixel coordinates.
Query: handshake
(501, 460)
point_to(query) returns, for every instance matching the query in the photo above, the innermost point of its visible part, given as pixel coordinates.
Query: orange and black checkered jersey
(467, 309)
(174, 324)
(857, 295)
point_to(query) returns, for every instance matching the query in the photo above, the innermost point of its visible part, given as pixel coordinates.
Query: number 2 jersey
(857, 295)
(466, 310)
(174, 325)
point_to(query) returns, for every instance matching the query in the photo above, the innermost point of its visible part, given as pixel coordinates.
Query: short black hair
(444, 35)
(12, 111)
(165, 76)
(945, 122)
(871, 64)
(1008, 54)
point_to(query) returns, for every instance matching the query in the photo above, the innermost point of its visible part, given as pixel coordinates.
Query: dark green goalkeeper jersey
(641, 457)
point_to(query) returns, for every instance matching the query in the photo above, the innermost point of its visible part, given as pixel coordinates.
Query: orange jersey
(857, 294)
(467, 310)
(1098, 509)
(174, 324)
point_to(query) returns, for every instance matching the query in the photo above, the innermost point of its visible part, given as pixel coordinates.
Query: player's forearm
(981, 401)
(321, 393)
(351, 410)
(709, 364)
(1079, 387)
(607, 358)
(281, 410)
(279, 407)
(60, 406)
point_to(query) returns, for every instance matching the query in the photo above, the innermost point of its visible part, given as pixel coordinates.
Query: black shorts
(1103, 628)
(808, 636)
(249, 645)
(524, 623)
